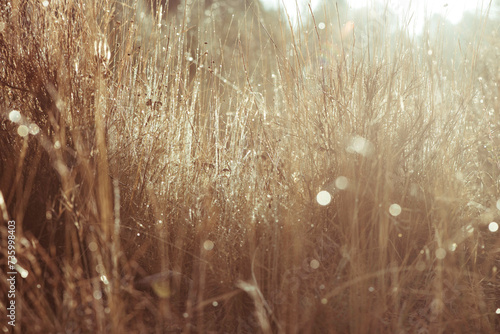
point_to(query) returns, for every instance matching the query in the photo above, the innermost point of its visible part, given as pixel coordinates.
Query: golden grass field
(216, 168)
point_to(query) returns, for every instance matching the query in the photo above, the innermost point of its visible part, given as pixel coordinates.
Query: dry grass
(172, 184)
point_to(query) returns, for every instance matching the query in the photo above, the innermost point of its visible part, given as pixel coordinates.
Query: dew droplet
(453, 247)
(360, 145)
(23, 130)
(104, 279)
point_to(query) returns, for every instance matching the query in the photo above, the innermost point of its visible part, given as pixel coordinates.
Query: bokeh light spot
(92, 246)
(395, 209)
(314, 264)
(341, 182)
(24, 273)
(493, 226)
(34, 129)
(208, 245)
(324, 198)
(440, 253)
(360, 145)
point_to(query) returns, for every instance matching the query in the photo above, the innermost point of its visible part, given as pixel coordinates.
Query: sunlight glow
(493, 227)
(409, 10)
(453, 11)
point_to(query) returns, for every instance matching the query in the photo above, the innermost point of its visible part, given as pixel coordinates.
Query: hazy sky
(450, 9)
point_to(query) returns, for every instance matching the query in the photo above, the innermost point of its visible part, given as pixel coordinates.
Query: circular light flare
(395, 210)
(208, 245)
(341, 182)
(314, 264)
(324, 198)
(493, 226)
(440, 253)
(15, 116)
(34, 129)
(23, 130)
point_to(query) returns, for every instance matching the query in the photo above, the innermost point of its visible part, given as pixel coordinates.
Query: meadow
(213, 167)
